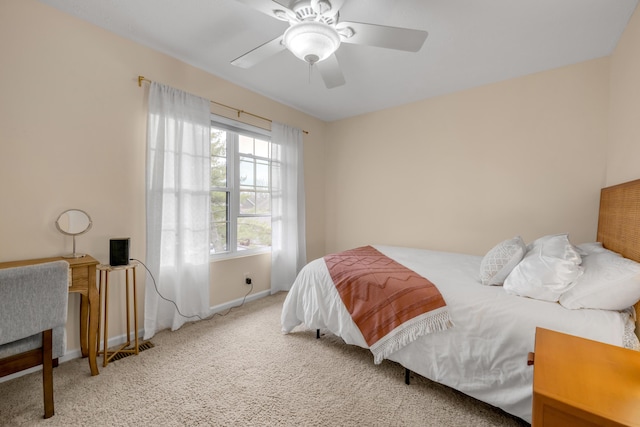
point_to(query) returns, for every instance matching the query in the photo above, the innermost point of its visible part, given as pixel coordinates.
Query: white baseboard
(238, 302)
(114, 341)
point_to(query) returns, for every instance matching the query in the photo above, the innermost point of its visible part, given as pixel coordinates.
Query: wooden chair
(33, 314)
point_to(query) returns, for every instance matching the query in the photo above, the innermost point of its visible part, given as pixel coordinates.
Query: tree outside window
(240, 191)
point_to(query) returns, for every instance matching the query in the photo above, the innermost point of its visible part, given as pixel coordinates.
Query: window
(240, 188)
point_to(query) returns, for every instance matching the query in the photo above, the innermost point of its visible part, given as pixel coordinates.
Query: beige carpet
(239, 370)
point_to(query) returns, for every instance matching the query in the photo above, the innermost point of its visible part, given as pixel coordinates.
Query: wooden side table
(580, 382)
(129, 270)
(82, 280)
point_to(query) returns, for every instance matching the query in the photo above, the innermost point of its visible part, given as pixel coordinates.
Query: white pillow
(591, 248)
(500, 260)
(609, 282)
(549, 268)
(557, 245)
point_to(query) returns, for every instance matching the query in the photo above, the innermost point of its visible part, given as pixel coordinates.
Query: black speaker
(119, 251)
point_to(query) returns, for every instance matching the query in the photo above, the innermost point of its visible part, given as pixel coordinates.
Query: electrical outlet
(247, 278)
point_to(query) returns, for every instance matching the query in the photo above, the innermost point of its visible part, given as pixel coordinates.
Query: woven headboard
(619, 223)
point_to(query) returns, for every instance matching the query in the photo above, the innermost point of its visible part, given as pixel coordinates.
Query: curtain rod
(238, 111)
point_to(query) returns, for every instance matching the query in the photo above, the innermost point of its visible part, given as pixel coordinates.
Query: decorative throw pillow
(500, 260)
(549, 268)
(609, 282)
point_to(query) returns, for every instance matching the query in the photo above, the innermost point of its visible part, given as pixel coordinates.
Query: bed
(484, 351)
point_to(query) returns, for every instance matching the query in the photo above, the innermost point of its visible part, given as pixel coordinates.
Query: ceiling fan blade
(382, 36)
(259, 54)
(330, 71)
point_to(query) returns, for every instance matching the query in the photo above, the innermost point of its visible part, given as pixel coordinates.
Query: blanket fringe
(433, 321)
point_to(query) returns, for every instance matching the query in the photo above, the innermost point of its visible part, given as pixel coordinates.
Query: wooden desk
(579, 382)
(82, 280)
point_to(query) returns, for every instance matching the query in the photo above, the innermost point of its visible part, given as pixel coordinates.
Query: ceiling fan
(315, 33)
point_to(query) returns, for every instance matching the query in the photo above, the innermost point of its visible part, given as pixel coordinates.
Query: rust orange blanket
(391, 304)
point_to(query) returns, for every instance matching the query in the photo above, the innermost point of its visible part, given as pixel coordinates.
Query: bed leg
(317, 334)
(407, 376)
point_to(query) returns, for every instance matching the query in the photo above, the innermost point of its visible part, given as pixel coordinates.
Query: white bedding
(485, 354)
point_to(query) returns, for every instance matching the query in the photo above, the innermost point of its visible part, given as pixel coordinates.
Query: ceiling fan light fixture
(311, 41)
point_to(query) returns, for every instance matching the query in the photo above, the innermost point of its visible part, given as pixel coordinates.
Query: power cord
(176, 305)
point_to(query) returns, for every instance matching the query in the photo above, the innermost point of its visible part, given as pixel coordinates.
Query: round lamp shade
(311, 41)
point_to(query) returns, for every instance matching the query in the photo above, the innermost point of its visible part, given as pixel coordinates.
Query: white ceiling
(470, 43)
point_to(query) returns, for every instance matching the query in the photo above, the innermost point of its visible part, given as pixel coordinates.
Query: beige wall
(623, 154)
(464, 171)
(72, 135)
(459, 172)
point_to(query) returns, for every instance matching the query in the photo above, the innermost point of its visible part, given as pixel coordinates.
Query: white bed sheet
(485, 354)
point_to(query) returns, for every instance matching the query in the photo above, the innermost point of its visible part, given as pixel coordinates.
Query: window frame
(233, 183)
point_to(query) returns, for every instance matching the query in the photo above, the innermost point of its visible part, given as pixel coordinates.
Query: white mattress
(485, 354)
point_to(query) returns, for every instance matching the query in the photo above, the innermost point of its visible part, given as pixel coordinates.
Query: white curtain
(178, 174)
(288, 245)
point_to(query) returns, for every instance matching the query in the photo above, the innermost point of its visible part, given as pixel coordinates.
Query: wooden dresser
(82, 280)
(579, 382)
